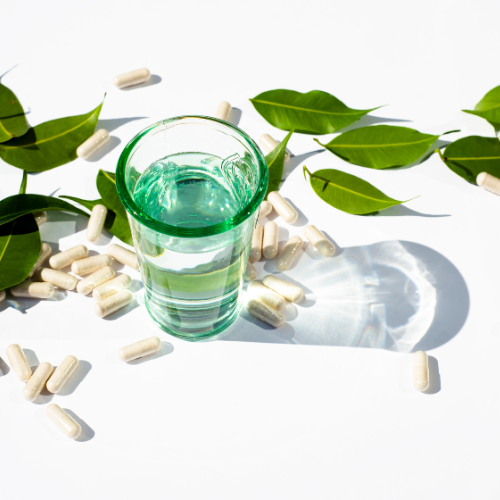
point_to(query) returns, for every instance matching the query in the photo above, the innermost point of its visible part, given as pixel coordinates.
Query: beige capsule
(113, 303)
(284, 209)
(291, 292)
(2, 295)
(62, 374)
(95, 142)
(91, 264)
(268, 144)
(223, 111)
(111, 287)
(324, 246)
(40, 217)
(488, 182)
(96, 222)
(124, 256)
(140, 349)
(420, 371)
(270, 244)
(265, 313)
(265, 209)
(64, 422)
(250, 272)
(132, 78)
(45, 252)
(260, 292)
(33, 290)
(289, 253)
(66, 258)
(88, 284)
(37, 381)
(19, 362)
(256, 251)
(57, 278)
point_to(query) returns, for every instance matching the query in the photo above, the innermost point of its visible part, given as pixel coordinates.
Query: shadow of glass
(81, 372)
(87, 432)
(114, 123)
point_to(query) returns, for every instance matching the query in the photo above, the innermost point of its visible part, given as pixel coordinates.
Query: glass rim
(190, 232)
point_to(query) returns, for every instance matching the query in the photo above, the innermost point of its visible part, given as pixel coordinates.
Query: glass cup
(192, 187)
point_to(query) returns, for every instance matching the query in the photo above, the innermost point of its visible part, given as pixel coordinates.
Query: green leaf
(348, 193)
(315, 112)
(12, 117)
(488, 107)
(50, 144)
(20, 247)
(275, 162)
(381, 146)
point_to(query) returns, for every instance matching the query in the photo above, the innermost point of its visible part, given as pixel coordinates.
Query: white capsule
(64, 422)
(113, 303)
(291, 292)
(88, 284)
(131, 78)
(2, 295)
(489, 182)
(111, 287)
(265, 313)
(256, 251)
(140, 349)
(267, 144)
(324, 246)
(66, 258)
(260, 292)
(96, 222)
(289, 253)
(57, 278)
(223, 111)
(420, 371)
(40, 217)
(92, 144)
(19, 362)
(284, 209)
(265, 209)
(91, 264)
(37, 381)
(270, 245)
(62, 374)
(250, 272)
(33, 290)
(45, 252)
(124, 256)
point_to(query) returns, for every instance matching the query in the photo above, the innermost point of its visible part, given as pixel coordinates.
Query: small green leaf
(315, 112)
(488, 107)
(348, 193)
(24, 183)
(275, 162)
(12, 117)
(50, 144)
(20, 247)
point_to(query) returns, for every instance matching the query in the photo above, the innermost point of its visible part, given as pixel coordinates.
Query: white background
(300, 412)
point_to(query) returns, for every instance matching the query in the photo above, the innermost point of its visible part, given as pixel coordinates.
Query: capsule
(88, 284)
(62, 374)
(124, 256)
(284, 209)
(265, 209)
(37, 381)
(57, 278)
(41, 259)
(2, 295)
(132, 78)
(223, 111)
(66, 258)
(19, 362)
(324, 246)
(64, 422)
(140, 349)
(267, 144)
(289, 253)
(111, 287)
(40, 217)
(92, 144)
(270, 245)
(96, 222)
(291, 292)
(91, 264)
(256, 251)
(33, 290)
(260, 292)
(420, 371)
(113, 303)
(489, 182)
(265, 313)
(250, 272)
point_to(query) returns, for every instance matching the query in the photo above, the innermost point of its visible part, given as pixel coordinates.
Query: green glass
(192, 187)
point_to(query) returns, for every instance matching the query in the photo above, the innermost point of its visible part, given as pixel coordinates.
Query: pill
(291, 292)
(88, 284)
(123, 255)
(265, 209)
(57, 278)
(250, 272)
(420, 371)
(139, 349)
(267, 144)
(45, 252)
(289, 253)
(64, 422)
(33, 290)
(284, 209)
(96, 222)
(66, 258)
(223, 111)
(265, 313)
(95, 142)
(111, 287)
(40, 217)
(91, 264)
(260, 292)
(324, 246)
(62, 374)
(131, 78)
(2, 295)
(270, 244)
(489, 182)
(37, 381)
(256, 251)
(113, 303)
(19, 362)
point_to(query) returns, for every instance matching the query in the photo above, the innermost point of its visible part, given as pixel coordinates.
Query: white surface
(272, 414)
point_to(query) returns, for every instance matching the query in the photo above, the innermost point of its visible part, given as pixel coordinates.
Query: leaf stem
(438, 151)
(304, 170)
(24, 183)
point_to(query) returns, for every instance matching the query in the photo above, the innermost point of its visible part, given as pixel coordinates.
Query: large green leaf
(348, 193)
(20, 247)
(275, 162)
(488, 107)
(381, 146)
(50, 144)
(315, 112)
(12, 117)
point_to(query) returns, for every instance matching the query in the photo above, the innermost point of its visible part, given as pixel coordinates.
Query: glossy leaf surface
(12, 117)
(275, 162)
(488, 107)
